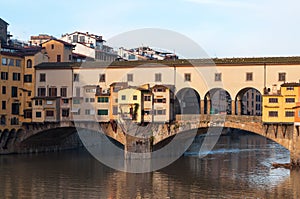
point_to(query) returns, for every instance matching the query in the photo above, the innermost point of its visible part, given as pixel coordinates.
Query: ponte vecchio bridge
(239, 82)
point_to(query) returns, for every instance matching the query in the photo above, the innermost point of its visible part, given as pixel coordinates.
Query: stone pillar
(233, 108)
(201, 107)
(295, 147)
(208, 107)
(239, 107)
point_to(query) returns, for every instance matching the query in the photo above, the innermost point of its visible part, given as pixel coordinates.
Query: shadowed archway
(187, 101)
(217, 101)
(248, 101)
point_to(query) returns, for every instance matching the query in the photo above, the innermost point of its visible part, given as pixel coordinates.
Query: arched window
(29, 63)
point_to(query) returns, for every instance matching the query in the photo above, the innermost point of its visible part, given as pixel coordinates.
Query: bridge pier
(137, 148)
(295, 147)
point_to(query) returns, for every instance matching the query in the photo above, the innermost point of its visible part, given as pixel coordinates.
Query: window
(289, 100)
(273, 100)
(65, 101)
(38, 102)
(130, 77)
(27, 78)
(87, 100)
(147, 98)
(49, 102)
(18, 62)
(4, 61)
(249, 76)
(123, 97)
(160, 100)
(75, 38)
(289, 113)
(3, 120)
(218, 77)
(76, 101)
(41, 92)
(16, 76)
(76, 77)
(115, 110)
(14, 121)
(3, 90)
(281, 77)
(27, 114)
(52, 92)
(14, 91)
(49, 113)
(4, 75)
(187, 77)
(29, 93)
(273, 113)
(70, 57)
(11, 62)
(158, 77)
(29, 63)
(42, 77)
(15, 108)
(87, 111)
(289, 88)
(102, 100)
(52, 46)
(3, 105)
(90, 90)
(38, 114)
(92, 99)
(102, 78)
(82, 39)
(162, 89)
(58, 58)
(63, 92)
(102, 112)
(134, 97)
(160, 112)
(65, 113)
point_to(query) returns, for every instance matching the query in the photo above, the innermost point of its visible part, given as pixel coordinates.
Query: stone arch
(248, 101)
(3, 137)
(187, 101)
(217, 101)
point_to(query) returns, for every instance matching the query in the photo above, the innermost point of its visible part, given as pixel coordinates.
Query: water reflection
(238, 167)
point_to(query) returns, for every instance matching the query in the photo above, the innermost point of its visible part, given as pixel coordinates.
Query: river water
(238, 167)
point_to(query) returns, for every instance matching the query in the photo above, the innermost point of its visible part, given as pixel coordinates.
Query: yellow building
(278, 104)
(131, 103)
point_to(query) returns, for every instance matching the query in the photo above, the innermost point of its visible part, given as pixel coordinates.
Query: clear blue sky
(224, 28)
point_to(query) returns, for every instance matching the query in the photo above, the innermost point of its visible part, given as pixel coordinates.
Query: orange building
(58, 50)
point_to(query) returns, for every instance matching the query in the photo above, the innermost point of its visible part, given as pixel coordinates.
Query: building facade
(90, 45)
(279, 105)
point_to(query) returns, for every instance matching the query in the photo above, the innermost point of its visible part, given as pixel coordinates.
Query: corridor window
(158, 77)
(282, 77)
(218, 77)
(130, 77)
(102, 78)
(249, 76)
(187, 77)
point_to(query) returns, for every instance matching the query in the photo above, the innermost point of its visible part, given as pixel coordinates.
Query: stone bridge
(58, 136)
